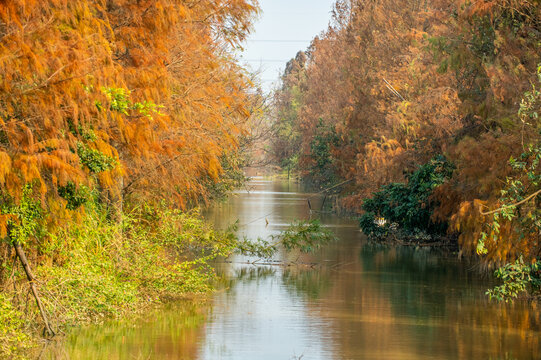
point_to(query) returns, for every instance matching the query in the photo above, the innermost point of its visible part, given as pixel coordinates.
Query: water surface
(351, 300)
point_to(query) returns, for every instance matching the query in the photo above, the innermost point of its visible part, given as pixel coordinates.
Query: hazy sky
(284, 28)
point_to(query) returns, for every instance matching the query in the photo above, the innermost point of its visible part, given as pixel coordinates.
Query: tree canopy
(134, 98)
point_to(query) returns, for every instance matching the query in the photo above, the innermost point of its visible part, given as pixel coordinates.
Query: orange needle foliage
(396, 82)
(83, 77)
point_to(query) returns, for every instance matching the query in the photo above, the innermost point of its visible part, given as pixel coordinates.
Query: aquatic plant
(305, 236)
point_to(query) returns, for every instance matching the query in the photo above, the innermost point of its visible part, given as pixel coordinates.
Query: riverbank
(104, 270)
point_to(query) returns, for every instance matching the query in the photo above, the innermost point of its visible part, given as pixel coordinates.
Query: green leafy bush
(306, 236)
(75, 196)
(370, 227)
(106, 269)
(28, 216)
(407, 205)
(13, 337)
(517, 277)
(95, 160)
(110, 269)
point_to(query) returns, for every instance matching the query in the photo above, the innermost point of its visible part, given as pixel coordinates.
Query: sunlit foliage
(126, 96)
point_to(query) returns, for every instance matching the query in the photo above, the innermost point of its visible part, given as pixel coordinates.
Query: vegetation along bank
(432, 111)
(106, 109)
(427, 112)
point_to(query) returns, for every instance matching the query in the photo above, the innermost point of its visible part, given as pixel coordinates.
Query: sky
(284, 27)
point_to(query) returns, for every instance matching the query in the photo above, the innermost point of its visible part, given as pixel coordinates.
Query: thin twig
(393, 90)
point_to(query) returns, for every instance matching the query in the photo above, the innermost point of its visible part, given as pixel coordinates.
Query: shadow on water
(356, 300)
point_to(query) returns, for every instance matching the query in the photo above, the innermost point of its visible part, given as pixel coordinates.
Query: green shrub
(305, 236)
(407, 205)
(76, 196)
(104, 269)
(95, 160)
(13, 337)
(28, 215)
(517, 278)
(368, 224)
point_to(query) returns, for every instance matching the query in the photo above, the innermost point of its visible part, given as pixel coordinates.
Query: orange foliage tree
(127, 96)
(127, 99)
(400, 82)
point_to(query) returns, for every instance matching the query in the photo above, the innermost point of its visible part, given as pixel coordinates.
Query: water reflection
(413, 304)
(356, 301)
(263, 319)
(170, 332)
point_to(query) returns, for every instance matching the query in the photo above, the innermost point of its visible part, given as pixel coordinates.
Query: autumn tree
(129, 100)
(120, 93)
(402, 82)
(286, 103)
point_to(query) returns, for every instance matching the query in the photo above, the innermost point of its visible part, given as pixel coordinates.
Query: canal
(350, 300)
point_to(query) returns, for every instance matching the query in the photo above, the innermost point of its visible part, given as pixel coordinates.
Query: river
(350, 300)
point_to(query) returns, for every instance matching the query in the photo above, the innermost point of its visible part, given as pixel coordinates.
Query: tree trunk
(31, 279)
(323, 203)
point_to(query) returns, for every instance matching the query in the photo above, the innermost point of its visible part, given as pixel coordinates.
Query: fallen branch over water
(272, 263)
(305, 236)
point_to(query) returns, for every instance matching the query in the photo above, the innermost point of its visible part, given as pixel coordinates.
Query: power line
(296, 13)
(264, 60)
(280, 41)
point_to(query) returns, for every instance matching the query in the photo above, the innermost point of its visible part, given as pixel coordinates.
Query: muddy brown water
(351, 300)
